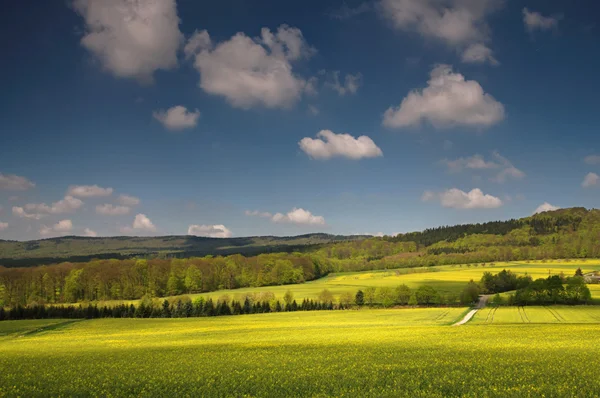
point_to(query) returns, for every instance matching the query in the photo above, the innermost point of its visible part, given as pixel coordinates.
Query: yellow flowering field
(550, 314)
(362, 353)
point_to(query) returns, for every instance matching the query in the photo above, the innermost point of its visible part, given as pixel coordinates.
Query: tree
(426, 294)
(173, 285)
(497, 300)
(288, 297)
(325, 296)
(403, 293)
(470, 294)
(345, 299)
(359, 299)
(73, 286)
(370, 295)
(192, 280)
(412, 301)
(386, 296)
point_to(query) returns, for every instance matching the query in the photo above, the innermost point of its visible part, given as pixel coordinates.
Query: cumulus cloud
(11, 182)
(457, 23)
(592, 159)
(590, 180)
(502, 166)
(256, 213)
(131, 39)
(535, 21)
(479, 54)
(457, 199)
(143, 223)
(350, 84)
(20, 212)
(252, 72)
(177, 118)
(545, 207)
(298, 216)
(111, 210)
(89, 191)
(60, 228)
(344, 145)
(449, 100)
(128, 200)
(197, 42)
(66, 205)
(3, 226)
(211, 231)
(90, 233)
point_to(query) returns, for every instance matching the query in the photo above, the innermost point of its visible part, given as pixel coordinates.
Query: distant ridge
(79, 248)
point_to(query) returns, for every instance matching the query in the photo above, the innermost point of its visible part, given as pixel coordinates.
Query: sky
(244, 118)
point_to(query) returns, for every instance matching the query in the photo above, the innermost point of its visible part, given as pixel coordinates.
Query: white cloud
(211, 231)
(128, 200)
(448, 100)
(457, 23)
(477, 162)
(66, 205)
(457, 199)
(350, 85)
(545, 207)
(143, 223)
(197, 42)
(177, 118)
(251, 72)
(89, 191)
(256, 213)
(11, 182)
(298, 216)
(428, 195)
(131, 39)
(20, 212)
(478, 54)
(592, 159)
(313, 110)
(111, 210)
(3, 226)
(535, 21)
(90, 233)
(330, 145)
(345, 12)
(590, 180)
(60, 228)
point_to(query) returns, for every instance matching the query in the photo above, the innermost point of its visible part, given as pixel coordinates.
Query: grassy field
(367, 353)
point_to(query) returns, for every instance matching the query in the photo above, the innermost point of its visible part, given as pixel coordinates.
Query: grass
(551, 314)
(367, 353)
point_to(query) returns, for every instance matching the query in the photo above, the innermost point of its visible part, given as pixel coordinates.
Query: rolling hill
(76, 248)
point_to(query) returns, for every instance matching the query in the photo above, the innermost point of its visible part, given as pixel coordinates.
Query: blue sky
(242, 118)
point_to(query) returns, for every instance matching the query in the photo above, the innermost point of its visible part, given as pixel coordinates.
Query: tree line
(555, 289)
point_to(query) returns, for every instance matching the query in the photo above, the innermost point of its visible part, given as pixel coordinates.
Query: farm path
(480, 304)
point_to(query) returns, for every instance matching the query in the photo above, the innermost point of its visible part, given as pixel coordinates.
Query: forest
(566, 233)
